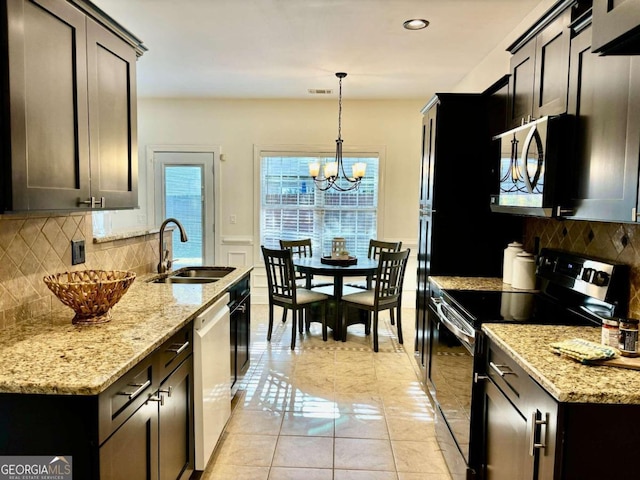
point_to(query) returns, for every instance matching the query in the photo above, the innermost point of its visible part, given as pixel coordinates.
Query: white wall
(237, 125)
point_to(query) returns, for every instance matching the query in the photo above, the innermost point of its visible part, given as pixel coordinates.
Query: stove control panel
(597, 278)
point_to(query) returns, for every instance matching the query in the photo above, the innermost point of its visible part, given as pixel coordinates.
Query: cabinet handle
(140, 388)
(477, 377)
(180, 349)
(497, 368)
(156, 398)
(168, 391)
(535, 422)
(93, 203)
(242, 308)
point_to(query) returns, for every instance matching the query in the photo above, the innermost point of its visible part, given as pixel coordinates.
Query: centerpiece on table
(339, 254)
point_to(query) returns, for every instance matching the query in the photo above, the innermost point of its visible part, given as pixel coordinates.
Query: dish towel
(583, 350)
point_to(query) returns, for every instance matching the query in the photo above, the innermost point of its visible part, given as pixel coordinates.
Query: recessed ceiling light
(416, 24)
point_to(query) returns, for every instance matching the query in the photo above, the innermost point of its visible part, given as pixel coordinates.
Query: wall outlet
(77, 252)
(233, 219)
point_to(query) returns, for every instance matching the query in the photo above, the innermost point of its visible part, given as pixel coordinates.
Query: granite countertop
(49, 355)
(474, 283)
(565, 379)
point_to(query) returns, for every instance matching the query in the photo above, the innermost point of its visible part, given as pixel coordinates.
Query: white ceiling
(282, 48)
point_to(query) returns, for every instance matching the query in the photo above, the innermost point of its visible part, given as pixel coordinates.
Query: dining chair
(386, 294)
(302, 249)
(376, 247)
(284, 292)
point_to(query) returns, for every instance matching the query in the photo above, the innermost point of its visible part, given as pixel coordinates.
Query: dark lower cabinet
(175, 433)
(530, 435)
(137, 442)
(604, 95)
(139, 428)
(240, 331)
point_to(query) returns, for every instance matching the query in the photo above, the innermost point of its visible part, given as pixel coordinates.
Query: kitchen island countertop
(563, 378)
(50, 355)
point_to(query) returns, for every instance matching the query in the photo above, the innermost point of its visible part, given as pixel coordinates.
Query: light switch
(77, 252)
(233, 219)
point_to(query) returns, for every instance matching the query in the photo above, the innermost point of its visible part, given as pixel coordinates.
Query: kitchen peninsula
(71, 390)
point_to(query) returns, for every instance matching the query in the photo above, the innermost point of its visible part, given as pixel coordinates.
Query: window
(292, 208)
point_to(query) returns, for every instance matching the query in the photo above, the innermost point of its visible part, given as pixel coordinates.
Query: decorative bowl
(340, 262)
(90, 293)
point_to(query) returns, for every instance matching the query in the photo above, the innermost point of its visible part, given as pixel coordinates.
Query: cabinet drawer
(173, 352)
(124, 397)
(508, 376)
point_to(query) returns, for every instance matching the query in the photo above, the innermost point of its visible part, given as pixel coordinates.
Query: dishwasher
(212, 389)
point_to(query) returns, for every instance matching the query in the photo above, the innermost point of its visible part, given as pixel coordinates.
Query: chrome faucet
(165, 263)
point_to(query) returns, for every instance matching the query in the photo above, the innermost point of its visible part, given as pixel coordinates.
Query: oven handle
(460, 334)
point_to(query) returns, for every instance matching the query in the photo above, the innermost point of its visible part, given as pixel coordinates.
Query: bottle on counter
(628, 337)
(610, 332)
(509, 256)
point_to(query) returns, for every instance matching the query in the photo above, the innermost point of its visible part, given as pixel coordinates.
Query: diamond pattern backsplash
(610, 241)
(32, 247)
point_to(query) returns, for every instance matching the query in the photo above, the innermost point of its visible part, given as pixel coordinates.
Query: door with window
(184, 191)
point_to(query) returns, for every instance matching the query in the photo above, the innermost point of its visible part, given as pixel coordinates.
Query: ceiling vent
(320, 91)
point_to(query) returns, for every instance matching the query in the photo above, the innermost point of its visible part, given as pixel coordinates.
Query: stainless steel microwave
(532, 179)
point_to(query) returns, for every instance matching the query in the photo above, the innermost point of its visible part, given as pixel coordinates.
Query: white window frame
(259, 151)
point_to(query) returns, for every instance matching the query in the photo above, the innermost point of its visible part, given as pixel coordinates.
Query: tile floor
(329, 410)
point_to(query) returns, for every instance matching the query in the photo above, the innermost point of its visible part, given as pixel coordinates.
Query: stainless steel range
(574, 290)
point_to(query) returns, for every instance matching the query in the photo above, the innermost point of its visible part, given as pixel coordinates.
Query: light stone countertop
(474, 283)
(565, 379)
(50, 355)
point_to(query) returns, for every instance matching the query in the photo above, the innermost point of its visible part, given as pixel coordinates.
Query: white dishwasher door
(212, 386)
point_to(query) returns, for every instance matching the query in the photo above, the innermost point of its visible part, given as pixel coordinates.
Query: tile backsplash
(618, 242)
(34, 246)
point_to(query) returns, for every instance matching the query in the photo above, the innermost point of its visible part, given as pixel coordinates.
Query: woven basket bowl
(90, 293)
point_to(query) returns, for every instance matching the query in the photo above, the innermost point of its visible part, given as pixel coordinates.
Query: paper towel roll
(524, 271)
(509, 256)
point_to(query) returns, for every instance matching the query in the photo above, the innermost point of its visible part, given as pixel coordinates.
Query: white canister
(509, 256)
(524, 271)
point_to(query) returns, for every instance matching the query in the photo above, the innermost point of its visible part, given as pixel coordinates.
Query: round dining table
(365, 267)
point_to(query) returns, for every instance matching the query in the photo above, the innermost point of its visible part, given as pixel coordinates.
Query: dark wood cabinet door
(507, 456)
(551, 79)
(49, 143)
(175, 417)
(604, 95)
(521, 84)
(430, 121)
(243, 336)
(615, 22)
(132, 452)
(111, 65)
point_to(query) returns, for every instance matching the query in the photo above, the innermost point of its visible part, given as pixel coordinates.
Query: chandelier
(333, 174)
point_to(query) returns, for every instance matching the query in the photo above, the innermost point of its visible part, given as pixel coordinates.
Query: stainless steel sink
(202, 272)
(188, 280)
(194, 275)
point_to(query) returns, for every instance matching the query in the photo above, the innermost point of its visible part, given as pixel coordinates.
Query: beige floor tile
(312, 424)
(423, 476)
(406, 405)
(235, 472)
(419, 457)
(287, 473)
(419, 428)
(363, 454)
(361, 426)
(348, 357)
(246, 450)
(303, 452)
(365, 384)
(363, 403)
(363, 475)
(255, 422)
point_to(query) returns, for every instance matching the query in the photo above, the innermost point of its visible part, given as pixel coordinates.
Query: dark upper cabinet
(616, 27)
(67, 109)
(604, 95)
(111, 65)
(540, 68)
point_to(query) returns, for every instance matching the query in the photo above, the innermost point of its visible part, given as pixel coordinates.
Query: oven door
(451, 384)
